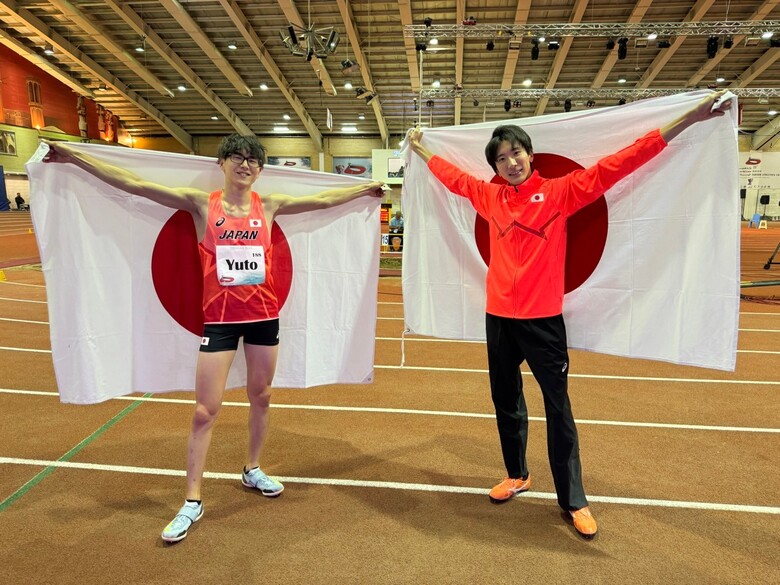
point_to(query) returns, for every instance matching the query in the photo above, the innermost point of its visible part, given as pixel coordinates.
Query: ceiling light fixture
(349, 66)
(310, 42)
(622, 48)
(48, 49)
(232, 46)
(712, 47)
(264, 87)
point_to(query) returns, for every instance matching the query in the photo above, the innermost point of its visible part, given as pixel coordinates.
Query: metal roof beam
(560, 56)
(521, 17)
(154, 41)
(101, 36)
(182, 17)
(585, 93)
(460, 15)
(354, 41)
(710, 64)
(694, 15)
(256, 45)
(294, 17)
(42, 63)
(410, 47)
(42, 29)
(637, 14)
(594, 29)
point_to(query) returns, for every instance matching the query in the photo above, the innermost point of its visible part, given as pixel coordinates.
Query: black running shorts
(225, 336)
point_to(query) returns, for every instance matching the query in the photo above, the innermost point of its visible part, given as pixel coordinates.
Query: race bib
(239, 265)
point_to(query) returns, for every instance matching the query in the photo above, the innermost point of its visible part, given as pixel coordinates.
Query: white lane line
(24, 349)
(24, 321)
(374, 409)
(23, 301)
(482, 342)
(22, 284)
(429, 340)
(484, 371)
(591, 376)
(420, 487)
(751, 330)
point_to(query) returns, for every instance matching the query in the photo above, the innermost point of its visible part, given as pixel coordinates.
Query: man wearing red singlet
(525, 286)
(233, 226)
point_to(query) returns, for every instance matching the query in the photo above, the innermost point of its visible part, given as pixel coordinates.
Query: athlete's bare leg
(260, 365)
(210, 379)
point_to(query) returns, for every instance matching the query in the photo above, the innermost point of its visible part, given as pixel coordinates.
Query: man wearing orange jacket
(525, 288)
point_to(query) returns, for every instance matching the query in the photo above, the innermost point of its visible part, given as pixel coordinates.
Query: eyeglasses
(239, 159)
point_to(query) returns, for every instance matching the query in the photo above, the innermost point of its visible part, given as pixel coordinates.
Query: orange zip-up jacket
(525, 279)
(236, 304)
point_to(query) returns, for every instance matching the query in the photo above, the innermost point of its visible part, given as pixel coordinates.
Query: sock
(250, 469)
(192, 503)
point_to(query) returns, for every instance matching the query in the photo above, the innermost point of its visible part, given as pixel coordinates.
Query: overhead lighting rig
(582, 94)
(310, 42)
(595, 29)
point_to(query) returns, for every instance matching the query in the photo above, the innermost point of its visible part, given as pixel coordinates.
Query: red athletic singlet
(235, 255)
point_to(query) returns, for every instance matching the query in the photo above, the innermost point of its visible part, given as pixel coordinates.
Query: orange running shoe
(584, 522)
(508, 488)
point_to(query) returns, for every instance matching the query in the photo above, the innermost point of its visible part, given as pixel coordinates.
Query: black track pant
(542, 343)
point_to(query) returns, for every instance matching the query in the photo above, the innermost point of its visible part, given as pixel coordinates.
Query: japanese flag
(652, 267)
(123, 278)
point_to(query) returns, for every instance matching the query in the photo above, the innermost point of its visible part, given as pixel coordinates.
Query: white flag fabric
(122, 284)
(664, 284)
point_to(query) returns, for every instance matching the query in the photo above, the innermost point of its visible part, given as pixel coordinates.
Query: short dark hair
(514, 135)
(240, 143)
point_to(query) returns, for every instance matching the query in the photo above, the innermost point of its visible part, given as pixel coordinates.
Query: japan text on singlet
(235, 255)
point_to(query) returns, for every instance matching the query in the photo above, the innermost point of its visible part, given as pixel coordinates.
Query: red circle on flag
(586, 229)
(178, 277)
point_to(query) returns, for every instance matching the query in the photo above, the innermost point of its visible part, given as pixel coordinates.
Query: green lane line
(45, 472)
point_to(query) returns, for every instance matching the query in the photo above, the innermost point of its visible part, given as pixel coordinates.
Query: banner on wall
(759, 176)
(352, 166)
(293, 162)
